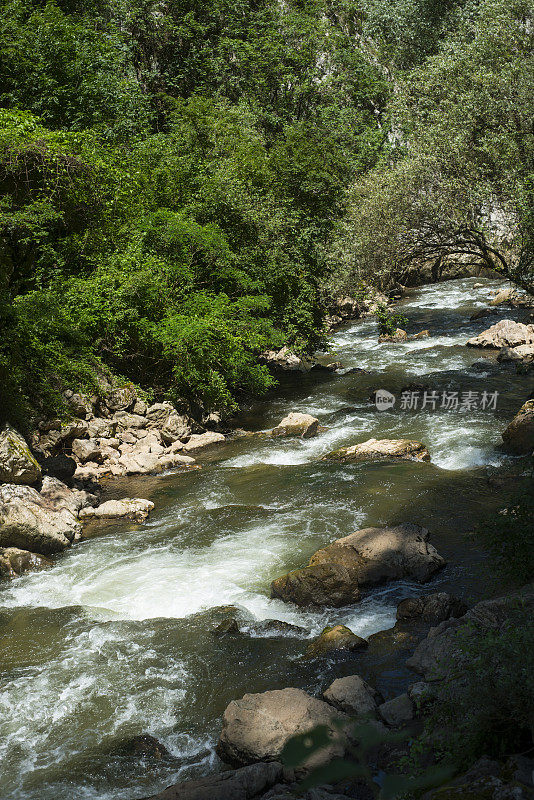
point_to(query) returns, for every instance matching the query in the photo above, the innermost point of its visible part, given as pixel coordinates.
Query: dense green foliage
(180, 182)
(485, 707)
(457, 183)
(170, 178)
(509, 536)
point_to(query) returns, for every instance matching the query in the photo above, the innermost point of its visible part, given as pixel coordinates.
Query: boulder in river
(15, 562)
(258, 726)
(398, 336)
(130, 508)
(318, 585)
(353, 696)
(335, 638)
(523, 354)
(17, 464)
(505, 333)
(373, 449)
(519, 435)
(31, 522)
(430, 608)
(375, 555)
(297, 424)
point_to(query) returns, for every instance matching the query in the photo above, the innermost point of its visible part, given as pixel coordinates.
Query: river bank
(116, 640)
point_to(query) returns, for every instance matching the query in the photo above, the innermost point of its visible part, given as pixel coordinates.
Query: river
(116, 640)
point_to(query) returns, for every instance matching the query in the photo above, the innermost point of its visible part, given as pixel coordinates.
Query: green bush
(508, 535)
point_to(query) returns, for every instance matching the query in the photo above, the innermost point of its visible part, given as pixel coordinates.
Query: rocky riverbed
(277, 567)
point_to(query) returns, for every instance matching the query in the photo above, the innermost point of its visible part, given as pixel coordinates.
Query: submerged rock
(335, 638)
(353, 696)
(375, 555)
(296, 424)
(17, 464)
(146, 746)
(379, 449)
(505, 333)
(318, 585)
(258, 726)
(227, 626)
(519, 435)
(14, 562)
(129, 508)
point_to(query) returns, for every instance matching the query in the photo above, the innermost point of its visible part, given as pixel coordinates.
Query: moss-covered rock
(335, 638)
(17, 464)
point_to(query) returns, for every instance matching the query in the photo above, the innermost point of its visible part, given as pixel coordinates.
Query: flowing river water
(116, 639)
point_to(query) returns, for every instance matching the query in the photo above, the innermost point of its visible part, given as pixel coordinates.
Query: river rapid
(116, 639)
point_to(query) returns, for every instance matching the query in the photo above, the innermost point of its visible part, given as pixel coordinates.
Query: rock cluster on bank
(121, 435)
(343, 309)
(41, 515)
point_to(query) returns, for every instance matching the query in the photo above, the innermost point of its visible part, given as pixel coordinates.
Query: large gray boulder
(398, 711)
(378, 449)
(376, 555)
(318, 585)
(33, 522)
(136, 509)
(353, 696)
(17, 465)
(244, 783)
(122, 398)
(56, 436)
(505, 333)
(199, 441)
(258, 726)
(519, 435)
(523, 354)
(297, 424)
